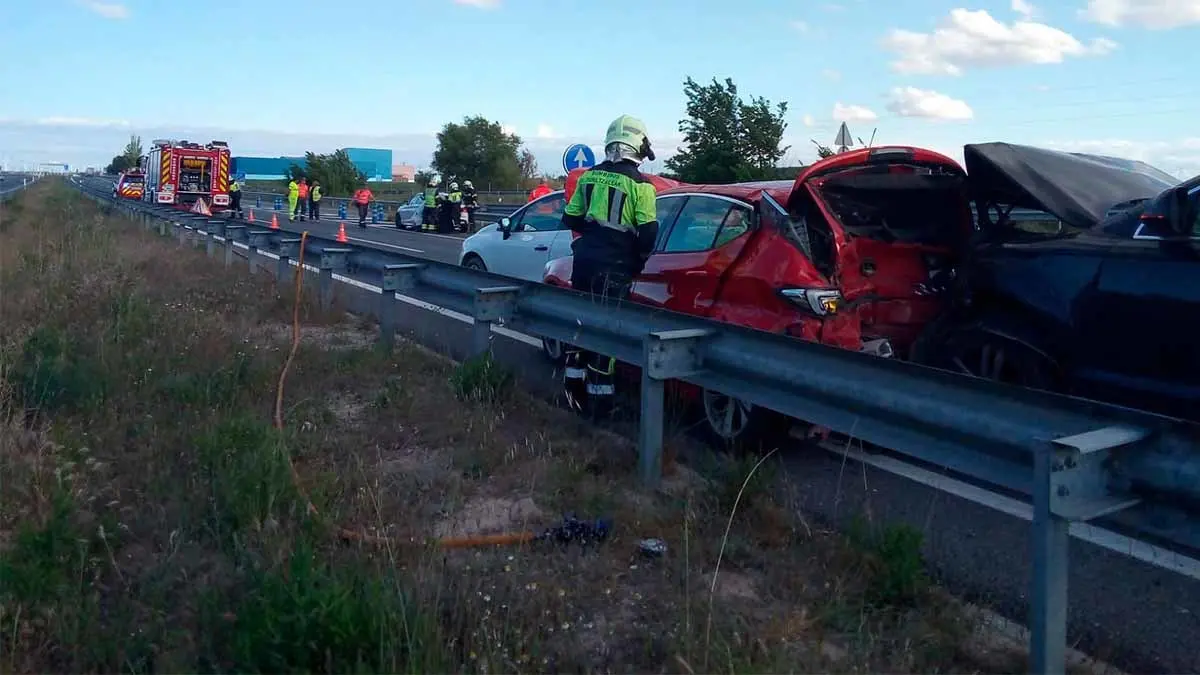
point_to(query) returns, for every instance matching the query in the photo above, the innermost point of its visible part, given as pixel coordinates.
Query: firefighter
(470, 203)
(454, 200)
(314, 200)
(293, 197)
(613, 212)
(362, 199)
(235, 197)
(429, 213)
(302, 198)
(443, 211)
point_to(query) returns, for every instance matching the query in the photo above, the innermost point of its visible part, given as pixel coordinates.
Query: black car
(1099, 299)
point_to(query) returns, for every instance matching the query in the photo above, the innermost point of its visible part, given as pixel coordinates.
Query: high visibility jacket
(316, 193)
(540, 191)
(455, 197)
(470, 197)
(303, 190)
(613, 211)
(430, 197)
(234, 187)
(363, 196)
(293, 190)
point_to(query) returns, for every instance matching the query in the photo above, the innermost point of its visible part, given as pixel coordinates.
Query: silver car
(408, 216)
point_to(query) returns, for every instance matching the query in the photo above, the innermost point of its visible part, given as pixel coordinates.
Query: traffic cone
(274, 220)
(342, 238)
(252, 215)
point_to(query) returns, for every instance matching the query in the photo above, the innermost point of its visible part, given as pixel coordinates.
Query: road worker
(302, 198)
(293, 197)
(314, 200)
(614, 214)
(454, 200)
(235, 197)
(470, 203)
(362, 200)
(429, 214)
(443, 210)
(540, 191)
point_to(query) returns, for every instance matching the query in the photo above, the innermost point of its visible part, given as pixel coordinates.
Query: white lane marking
(1118, 543)
(384, 243)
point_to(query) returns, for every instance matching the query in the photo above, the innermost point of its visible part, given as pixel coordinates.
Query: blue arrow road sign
(578, 156)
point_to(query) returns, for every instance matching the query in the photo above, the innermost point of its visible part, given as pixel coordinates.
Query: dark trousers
(589, 379)
(362, 214)
(235, 199)
(314, 209)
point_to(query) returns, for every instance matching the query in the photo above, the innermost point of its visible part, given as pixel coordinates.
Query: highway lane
(1141, 615)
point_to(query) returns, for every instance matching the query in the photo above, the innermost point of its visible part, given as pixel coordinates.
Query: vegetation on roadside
(154, 519)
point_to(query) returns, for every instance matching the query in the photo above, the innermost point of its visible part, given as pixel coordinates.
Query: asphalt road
(1139, 615)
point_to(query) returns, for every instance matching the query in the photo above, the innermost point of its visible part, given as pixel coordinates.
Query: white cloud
(831, 74)
(1153, 14)
(852, 113)
(1180, 158)
(546, 131)
(1024, 8)
(913, 102)
(508, 129)
(808, 121)
(974, 39)
(108, 10)
(79, 122)
(481, 4)
(801, 26)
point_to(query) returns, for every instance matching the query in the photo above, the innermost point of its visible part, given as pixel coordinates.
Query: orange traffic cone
(342, 238)
(251, 215)
(274, 220)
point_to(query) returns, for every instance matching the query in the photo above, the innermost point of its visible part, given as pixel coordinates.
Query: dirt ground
(155, 518)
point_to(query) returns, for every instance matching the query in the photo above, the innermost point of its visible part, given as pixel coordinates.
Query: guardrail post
(1070, 484)
(396, 279)
(331, 259)
(288, 249)
(666, 355)
(211, 229)
(256, 240)
(162, 228)
(231, 233)
(492, 305)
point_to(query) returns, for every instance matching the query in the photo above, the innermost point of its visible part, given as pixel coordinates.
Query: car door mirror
(505, 227)
(1171, 211)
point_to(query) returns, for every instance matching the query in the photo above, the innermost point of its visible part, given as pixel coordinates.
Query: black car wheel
(737, 425)
(474, 262)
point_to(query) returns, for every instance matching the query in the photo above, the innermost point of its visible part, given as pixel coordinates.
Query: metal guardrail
(8, 191)
(1075, 460)
(381, 211)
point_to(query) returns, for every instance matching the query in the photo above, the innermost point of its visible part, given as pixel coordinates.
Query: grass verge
(154, 520)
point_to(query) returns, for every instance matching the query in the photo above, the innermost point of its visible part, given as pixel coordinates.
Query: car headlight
(817, 301)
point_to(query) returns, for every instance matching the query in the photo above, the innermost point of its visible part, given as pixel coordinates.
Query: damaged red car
(853, 253)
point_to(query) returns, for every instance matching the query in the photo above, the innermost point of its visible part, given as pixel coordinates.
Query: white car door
(536, 229)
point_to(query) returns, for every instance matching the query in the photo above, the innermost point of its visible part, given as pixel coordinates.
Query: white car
(521, 244)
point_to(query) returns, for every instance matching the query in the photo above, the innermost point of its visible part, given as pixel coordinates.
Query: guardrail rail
(1074, 460)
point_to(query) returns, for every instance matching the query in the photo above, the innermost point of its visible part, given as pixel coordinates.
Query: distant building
(404, 173)
(375, 163)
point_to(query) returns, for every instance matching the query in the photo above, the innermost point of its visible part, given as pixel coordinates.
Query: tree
(422, 178)
(528, 166)
(823, 151)
(335, 172)
(479, 150)
(129, 157)
(727, 139)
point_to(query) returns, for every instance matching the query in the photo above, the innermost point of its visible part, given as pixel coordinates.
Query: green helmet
(632, 132)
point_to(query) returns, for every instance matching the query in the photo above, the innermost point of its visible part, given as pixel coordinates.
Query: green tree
(478, 149)
(129, 157)
(529, 168)
(823, 151)
(335, 172)
(727, 139)
(422, 178)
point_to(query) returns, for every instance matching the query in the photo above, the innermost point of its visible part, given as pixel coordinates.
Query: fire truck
(130, 184)
(182, 173)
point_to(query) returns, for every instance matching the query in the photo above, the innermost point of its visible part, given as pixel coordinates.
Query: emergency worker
(613, 211)
(362, 199)
(235, 197)
(454, 200)
(443, 211)
(314, 200)
(302, 198)
(429, 213)
(540, 191)
(470, 203)
(293, 197)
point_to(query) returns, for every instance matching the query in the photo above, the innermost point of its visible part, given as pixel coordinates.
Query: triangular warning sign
(843, 137)
(201, 208)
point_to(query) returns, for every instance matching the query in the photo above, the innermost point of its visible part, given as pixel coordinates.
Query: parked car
(1100, 299)
(409, 214)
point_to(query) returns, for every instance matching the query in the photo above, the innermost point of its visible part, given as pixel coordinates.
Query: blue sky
(77, 76)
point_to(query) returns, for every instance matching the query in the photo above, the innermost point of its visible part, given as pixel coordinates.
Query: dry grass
(149, 520)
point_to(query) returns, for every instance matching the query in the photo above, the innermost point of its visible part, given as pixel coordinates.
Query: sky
(273, 78)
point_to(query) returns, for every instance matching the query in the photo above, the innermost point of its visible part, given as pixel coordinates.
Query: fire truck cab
(130, 184)
(181, 173)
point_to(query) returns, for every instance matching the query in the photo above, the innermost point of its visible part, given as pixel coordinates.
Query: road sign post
(578, 156)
